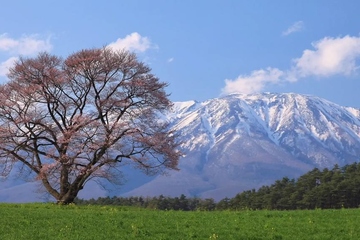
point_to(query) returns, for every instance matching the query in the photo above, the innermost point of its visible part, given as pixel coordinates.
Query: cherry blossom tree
(66, 121)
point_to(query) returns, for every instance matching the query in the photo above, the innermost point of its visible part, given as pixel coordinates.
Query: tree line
(325, 189)
(160, 203)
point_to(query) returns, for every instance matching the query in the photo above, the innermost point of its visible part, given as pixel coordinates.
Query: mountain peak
(243, 141)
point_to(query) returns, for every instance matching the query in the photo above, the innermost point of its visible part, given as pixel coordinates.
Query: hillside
(240, 142)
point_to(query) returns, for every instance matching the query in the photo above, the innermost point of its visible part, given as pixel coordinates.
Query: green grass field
(48, 221)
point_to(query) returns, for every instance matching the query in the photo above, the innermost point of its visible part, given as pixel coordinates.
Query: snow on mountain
(240, 142)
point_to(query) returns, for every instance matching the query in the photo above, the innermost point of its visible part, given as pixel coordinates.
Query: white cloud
(26, 45)
(331, 56)
(6, 43)
(254, 82)
(296, 27)
(170, 60)
(132, 42)
(4, 66)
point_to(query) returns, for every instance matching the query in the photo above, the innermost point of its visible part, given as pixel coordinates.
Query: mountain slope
(241, 142)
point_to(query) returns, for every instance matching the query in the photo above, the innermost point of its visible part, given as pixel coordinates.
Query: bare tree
(67, 121)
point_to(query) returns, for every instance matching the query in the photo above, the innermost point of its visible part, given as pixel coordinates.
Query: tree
(68, 121)
(223, 204)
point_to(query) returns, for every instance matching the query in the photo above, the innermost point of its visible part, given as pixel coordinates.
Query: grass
(48, 221)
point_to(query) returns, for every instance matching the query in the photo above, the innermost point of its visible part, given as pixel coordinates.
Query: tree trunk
(68, 198)
(72, 190)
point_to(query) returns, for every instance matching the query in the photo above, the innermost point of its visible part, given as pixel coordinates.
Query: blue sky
(203, 48)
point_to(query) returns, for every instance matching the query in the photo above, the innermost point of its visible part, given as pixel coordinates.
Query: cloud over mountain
(330, 56)
(255, 82)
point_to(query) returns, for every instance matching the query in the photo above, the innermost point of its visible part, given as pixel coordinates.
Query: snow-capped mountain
(240, 142)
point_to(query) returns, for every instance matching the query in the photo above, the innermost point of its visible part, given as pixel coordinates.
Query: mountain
(240, 142)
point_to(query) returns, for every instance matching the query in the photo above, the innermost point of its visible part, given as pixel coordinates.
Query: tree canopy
(66, 121)
(325, 189)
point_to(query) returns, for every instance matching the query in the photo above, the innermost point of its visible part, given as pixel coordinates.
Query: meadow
(49, 221)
